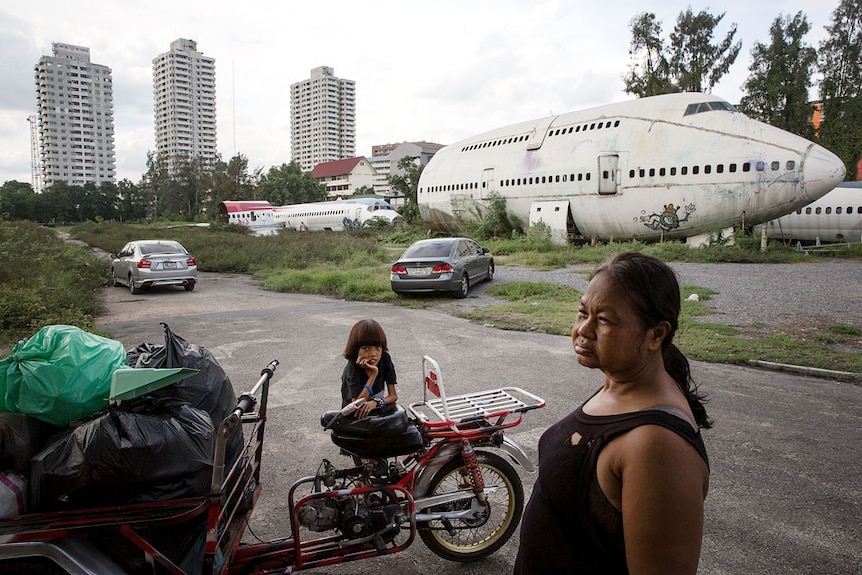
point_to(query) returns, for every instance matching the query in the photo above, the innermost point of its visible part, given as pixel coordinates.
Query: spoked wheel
(474, 539)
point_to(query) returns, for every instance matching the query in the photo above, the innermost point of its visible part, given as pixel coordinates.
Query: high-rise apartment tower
(75, 109)
(184, 102)
(322, 119)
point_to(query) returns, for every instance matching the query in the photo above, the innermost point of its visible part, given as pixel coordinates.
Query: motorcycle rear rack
(470, 413)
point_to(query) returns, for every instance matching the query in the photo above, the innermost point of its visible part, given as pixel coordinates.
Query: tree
(288, 184)
(690, 63)
(696, 64)
(406, 182)
(649, 71)
(840, 63)
(18, 201)
(776, 91)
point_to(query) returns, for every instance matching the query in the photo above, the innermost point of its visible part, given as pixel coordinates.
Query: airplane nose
(821, 171)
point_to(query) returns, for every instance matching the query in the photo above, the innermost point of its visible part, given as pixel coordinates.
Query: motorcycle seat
(390, 420)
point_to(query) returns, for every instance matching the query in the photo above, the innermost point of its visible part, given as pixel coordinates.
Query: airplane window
(570, 129)
(577, 128)
(543, 179)
(695, 169)
(707, 169)
(838, 210)
(673, 171)
(652, 172)
(631, 173)
(605, 174)
(580, 177)
(775, 165)
(817, 211)
(616, 124)
(859, 210)
(761, 166)
(684, 170)
(642, 172)
(599, 127)
(564, 177)
(661, 171)
(746, 167)
(557, 179)
(572, 177)
(720, 168)
(828, 210)
(791, 165)
(732, 167)
(588, 175)
(592, 126)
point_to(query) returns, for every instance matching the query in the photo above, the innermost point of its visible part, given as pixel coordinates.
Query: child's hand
(370, 369)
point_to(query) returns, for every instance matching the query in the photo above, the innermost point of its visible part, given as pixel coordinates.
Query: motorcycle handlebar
(246, 401)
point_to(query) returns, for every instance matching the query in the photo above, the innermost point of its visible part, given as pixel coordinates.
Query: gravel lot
(781, 297)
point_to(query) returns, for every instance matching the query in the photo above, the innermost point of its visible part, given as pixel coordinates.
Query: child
(369, 371)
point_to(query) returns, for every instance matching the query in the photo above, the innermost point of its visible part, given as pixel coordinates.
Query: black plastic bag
(210, 389)
(145, 449)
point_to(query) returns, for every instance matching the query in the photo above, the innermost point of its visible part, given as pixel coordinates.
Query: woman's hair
(652, 287)
(364, 332)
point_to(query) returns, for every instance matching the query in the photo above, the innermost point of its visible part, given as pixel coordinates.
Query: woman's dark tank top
(569, 526)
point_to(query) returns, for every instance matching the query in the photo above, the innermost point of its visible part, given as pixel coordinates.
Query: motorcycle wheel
(474, 540)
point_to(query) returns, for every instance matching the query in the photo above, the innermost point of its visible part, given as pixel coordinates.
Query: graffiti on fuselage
(669, 219)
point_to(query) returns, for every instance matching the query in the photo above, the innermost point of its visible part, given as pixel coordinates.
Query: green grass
(45, 281)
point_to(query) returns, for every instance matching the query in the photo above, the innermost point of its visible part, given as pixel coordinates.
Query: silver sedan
(147, 263)
(441, 264)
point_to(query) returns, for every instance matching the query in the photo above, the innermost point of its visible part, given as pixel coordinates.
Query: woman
(623, 478)
(369, 371)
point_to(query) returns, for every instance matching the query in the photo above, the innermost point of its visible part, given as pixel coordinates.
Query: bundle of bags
(64, 444)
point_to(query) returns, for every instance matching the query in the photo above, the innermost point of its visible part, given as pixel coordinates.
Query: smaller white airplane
(262, 217)
(835, 217)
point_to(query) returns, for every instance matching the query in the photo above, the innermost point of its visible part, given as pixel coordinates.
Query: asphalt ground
(786, 485)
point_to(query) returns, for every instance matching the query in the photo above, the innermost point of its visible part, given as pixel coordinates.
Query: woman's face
(607, 333)
(369, 354)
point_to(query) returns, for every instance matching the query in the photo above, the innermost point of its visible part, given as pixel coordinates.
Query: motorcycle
(441, 468)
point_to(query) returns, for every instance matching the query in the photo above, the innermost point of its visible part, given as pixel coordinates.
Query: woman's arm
(663, 485)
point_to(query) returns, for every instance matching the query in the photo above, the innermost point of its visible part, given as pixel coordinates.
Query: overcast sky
(437, 71)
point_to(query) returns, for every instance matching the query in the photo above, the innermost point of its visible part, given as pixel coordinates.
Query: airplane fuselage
(835, 217)
(670, 166)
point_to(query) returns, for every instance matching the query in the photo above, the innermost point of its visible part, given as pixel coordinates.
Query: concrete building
(343, 178)
(386, 157)
(322, 119)
(75, 109)
(184, 102)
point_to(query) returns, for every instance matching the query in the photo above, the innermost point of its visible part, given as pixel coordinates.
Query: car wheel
(132, 287)
(189, 286)
(490, 272)
(464, 287)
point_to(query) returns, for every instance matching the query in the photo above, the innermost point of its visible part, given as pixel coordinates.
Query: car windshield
(147, 249)
(432, 250)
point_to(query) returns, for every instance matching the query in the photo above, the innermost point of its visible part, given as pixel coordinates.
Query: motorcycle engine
(362, 522)
(319, 514)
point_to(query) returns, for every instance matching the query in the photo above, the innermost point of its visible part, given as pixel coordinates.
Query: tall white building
(75, 109)
(322, 119)
(184, 102)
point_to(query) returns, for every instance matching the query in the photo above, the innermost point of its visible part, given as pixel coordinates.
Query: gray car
(441, 265)
(147, 263)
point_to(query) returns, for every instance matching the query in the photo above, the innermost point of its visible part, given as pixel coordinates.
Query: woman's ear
(657, 334)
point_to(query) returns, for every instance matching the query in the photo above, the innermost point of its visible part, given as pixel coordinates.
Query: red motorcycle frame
(452, 487)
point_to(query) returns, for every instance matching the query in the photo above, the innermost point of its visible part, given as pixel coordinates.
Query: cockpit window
(708, 107)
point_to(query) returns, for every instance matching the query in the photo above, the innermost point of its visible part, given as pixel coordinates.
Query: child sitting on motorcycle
(369, 373)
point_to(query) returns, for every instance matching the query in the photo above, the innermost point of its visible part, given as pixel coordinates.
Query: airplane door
(488, 185)
(608, 174)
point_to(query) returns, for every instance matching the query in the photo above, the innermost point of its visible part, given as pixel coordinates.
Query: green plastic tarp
(60, 374)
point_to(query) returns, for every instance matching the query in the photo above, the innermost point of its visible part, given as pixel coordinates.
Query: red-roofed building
(343, 178)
